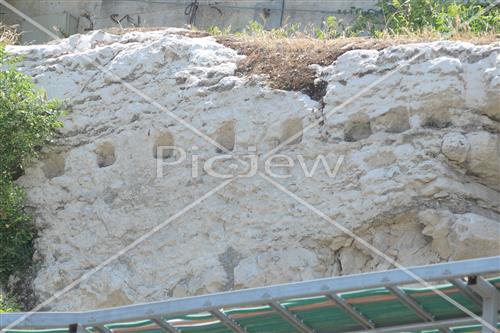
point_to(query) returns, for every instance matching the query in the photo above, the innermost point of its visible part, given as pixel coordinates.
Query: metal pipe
(229, 322)
(467, 291)
(410, 303)
(165, 326)
(414, 306)
(291, 318)
(356, 315)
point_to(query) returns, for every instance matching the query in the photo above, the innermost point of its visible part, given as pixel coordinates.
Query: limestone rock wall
(419, 180)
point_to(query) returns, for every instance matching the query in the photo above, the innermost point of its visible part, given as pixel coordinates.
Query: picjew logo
(225, 166)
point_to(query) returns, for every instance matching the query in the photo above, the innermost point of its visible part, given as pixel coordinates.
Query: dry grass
(286, 61)
(9, 34)
(429, 36)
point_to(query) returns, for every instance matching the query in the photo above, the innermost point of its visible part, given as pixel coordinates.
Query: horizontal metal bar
(164, 325)
(449, 323)
(467, 291)
(255, 296)
(229, 322)
(291, 318)
(362, 320)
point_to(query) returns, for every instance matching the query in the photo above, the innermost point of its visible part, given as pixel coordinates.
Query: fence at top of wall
(69, 17)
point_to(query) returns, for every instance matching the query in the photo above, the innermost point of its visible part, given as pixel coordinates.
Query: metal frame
(466, 290)
(290, 317)
(414, 306)
(477, 286)
(228, 321)
(491, 300)
(351, 311)
(165, 325)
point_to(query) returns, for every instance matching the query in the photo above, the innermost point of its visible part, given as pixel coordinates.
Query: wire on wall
(282, 12)
(191, 10)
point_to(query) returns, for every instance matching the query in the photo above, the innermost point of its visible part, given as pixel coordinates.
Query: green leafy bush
(27, 118)
(395, 17)
(330, 29)
(27, 121)
(216, 31)
(254, 28)
(16, 230)
(7, 304)
(442, 16)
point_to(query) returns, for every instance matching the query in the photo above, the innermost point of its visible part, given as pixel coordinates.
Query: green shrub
(216, 31)
(27, 118)
(395, 17)
(254, 28)
(442, 16)
(27, 121)
(330, 29)
(16, 230)
(7, 304)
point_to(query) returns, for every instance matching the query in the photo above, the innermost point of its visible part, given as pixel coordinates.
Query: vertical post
(491, 300)
(282, 13)
(76, 328)
(490, 313)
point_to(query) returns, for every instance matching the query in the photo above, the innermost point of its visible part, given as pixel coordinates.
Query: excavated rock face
(418, 158)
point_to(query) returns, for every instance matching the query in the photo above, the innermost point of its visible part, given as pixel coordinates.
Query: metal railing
(477, 288)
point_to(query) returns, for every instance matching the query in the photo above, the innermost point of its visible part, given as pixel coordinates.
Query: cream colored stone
(455, 147)
(395, 189)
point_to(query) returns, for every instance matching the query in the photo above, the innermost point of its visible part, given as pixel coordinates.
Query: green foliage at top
(216, 31)
(330, 29)
(393, 17)
(254, 28)
(27, 120)
(439, 15)
(7, 304)
(396, 17)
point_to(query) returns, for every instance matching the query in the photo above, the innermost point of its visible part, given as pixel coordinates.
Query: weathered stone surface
(418, 179)
(455, 147)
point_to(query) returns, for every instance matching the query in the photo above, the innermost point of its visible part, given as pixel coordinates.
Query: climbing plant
(28, 119)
